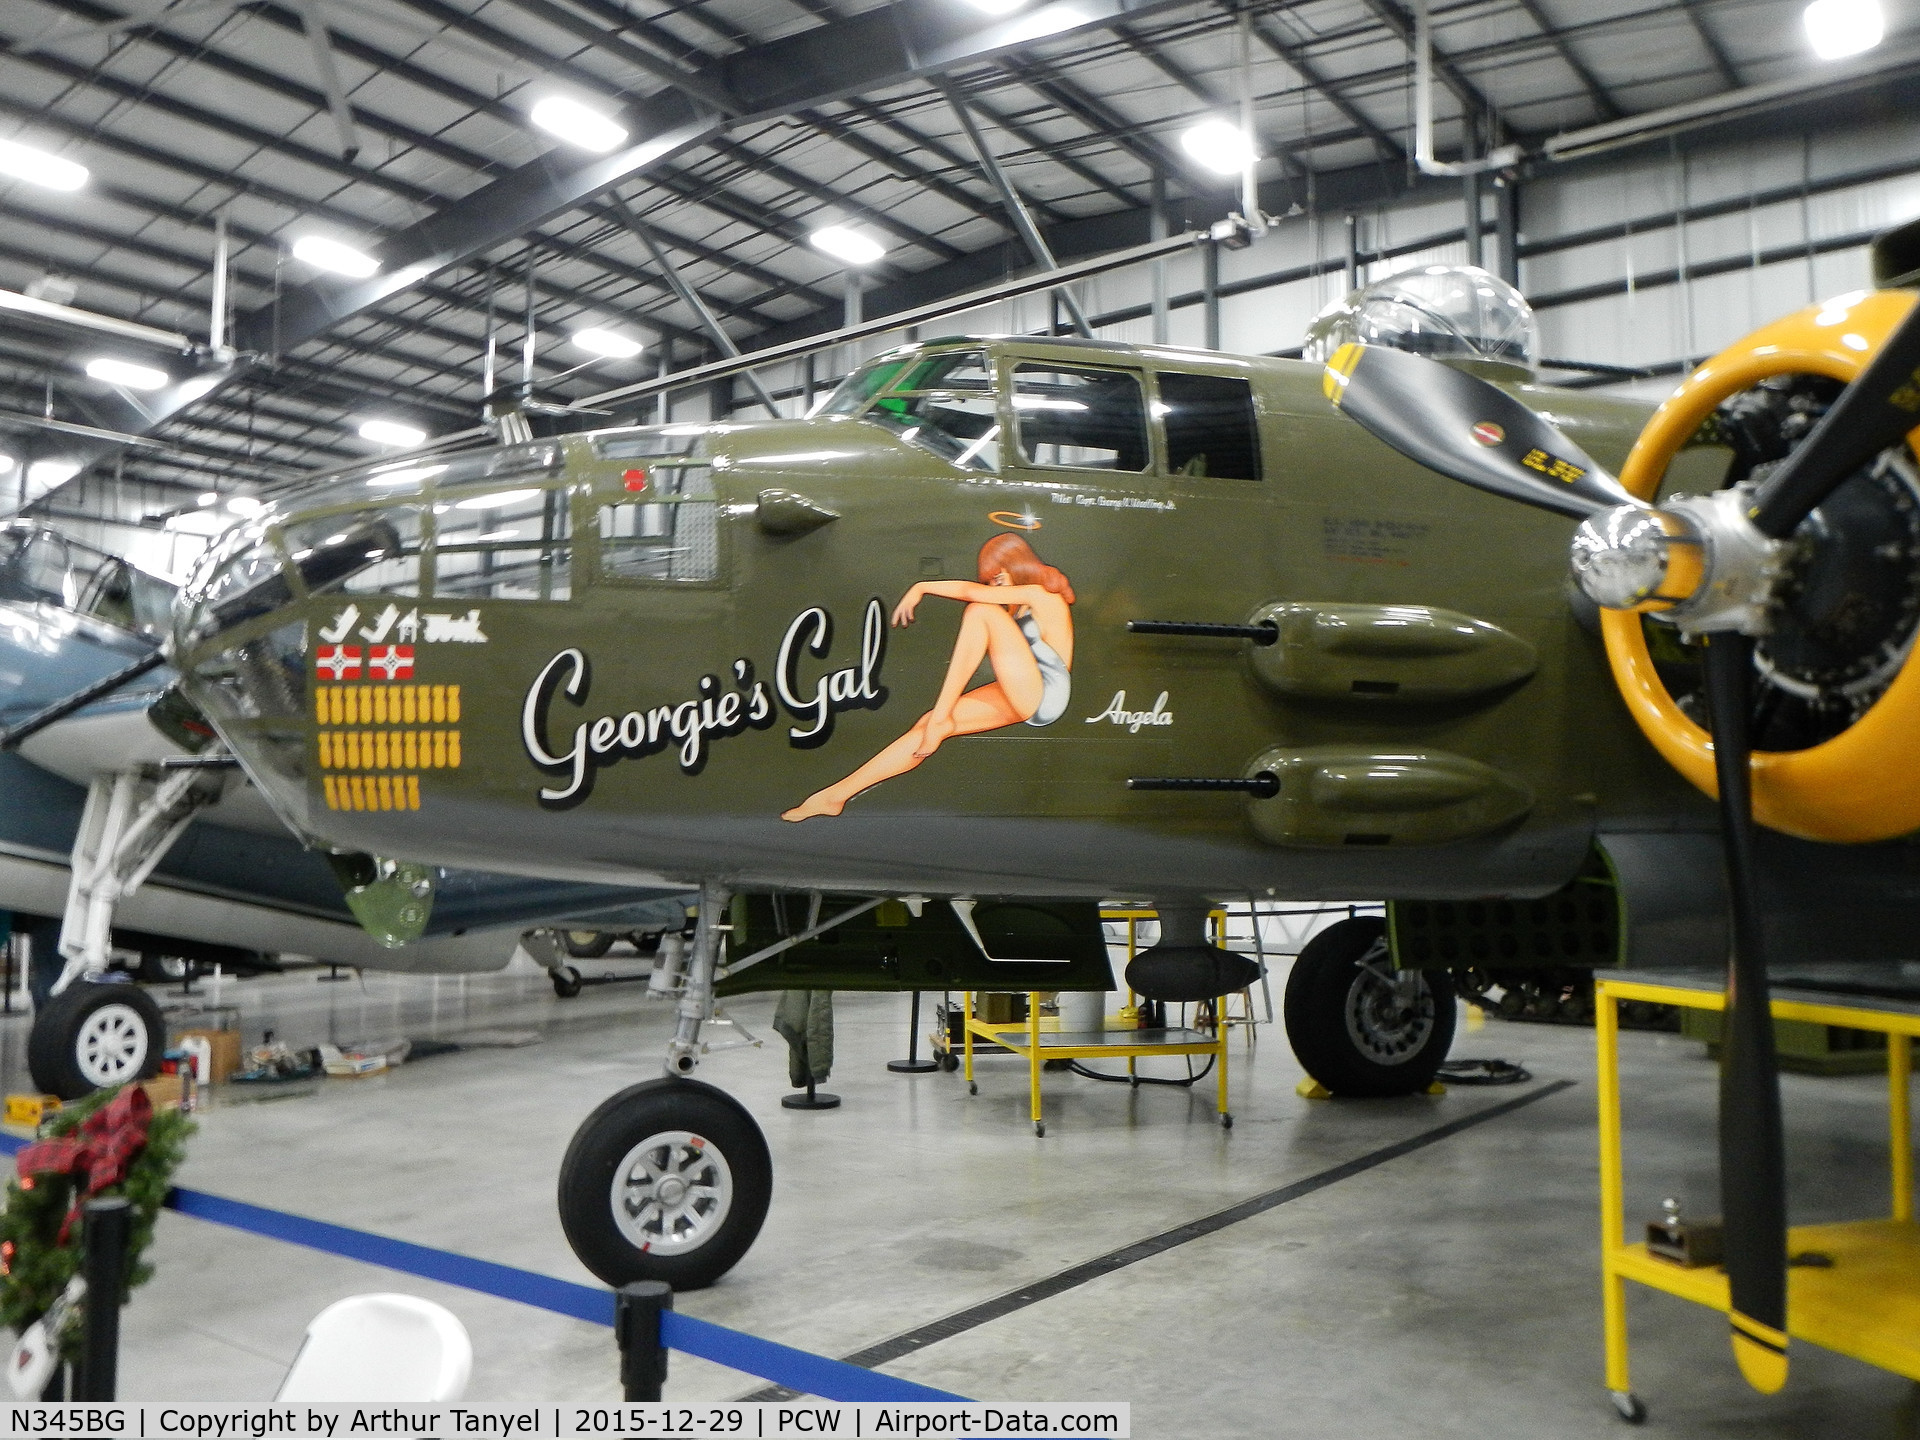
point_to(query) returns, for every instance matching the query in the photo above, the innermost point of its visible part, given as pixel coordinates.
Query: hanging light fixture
(39, 167)
(846, 244)
(609, 344)
(1218, 146)
(578, 124)
(342, 259)
(127, 374)
(1839, 28)
(392, 433)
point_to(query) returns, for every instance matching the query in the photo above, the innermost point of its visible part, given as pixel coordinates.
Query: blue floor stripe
(799, 1370)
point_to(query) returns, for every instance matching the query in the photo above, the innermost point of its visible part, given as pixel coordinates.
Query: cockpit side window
(1080, 419)
(850, 397)
(1210, 425)
(945, 403)
(669, 530)
(512, 543)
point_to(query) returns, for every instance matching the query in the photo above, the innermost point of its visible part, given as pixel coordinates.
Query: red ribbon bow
(103, 1151)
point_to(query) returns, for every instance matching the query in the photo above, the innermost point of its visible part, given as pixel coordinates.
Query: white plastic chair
(381, 1347)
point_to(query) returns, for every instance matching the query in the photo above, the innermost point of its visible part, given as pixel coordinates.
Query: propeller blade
(1872, 413)
(1465, 428)
(1753, 1182)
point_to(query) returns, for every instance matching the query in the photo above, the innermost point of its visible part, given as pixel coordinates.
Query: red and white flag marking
(390, 662)
(338, 662)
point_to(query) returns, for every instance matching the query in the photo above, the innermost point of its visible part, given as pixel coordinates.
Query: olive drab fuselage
(625, 655)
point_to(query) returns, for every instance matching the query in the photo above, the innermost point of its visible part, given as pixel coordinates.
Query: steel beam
(1023, 225)
(691, 298)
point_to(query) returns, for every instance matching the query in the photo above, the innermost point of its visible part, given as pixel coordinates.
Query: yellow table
(1037, 1041)
(1867, 1304)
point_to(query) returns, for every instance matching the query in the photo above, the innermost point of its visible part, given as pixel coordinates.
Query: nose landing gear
(670, 1179)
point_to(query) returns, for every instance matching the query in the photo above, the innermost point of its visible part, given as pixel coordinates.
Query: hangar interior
(260, 255)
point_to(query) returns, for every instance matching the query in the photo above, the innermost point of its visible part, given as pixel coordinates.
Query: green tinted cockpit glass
(850, 397)
(946, 404)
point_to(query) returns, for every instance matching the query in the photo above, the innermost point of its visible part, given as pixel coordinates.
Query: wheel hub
(1389, 1018)
(111, 1046)
(671, 1193)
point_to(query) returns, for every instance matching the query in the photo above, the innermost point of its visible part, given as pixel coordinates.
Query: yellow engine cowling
(1863, 784)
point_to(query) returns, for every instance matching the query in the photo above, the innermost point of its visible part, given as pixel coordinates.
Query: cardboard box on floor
(165, 1091)
(225, 1046)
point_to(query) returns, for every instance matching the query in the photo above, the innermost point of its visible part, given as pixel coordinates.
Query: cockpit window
(850, 397)
(1210, 425)
(668, 530)
(510, 543)
(945, 403)
(369, 553)
(44, 566)
(1080, 419)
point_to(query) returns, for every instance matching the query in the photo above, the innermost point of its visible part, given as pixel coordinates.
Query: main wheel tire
(1353, 1029)
(587, 944)
(90, 1036)
(668, 1180)
(566, 982)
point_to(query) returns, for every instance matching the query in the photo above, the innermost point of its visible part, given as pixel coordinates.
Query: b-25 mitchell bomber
(1011, 626)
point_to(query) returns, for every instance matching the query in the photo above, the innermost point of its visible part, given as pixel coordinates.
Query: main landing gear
(670, 1179)
(1359, 1026)
(90, 1035)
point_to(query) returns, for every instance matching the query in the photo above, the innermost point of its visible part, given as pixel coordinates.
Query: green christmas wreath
(34, 1265)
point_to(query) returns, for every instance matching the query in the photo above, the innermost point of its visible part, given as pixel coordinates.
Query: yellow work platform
(1036, 1041)
(1867, 1303)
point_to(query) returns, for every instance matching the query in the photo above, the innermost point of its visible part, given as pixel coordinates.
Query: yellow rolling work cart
(1863, 1299)
(1037, 1040)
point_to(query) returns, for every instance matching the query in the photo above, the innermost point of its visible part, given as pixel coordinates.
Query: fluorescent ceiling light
(245, 505)
(1839, 28)
(1218, 146)
(578, 124)
(996, 7)
(209, 497)
(23, 162)
(846, 244)
(7, 462)
(610, 343)
(124, 372)
(392, 432)
(496, 500)
(324, 254)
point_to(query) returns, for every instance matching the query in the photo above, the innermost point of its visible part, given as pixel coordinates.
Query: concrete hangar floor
(1451, 1290)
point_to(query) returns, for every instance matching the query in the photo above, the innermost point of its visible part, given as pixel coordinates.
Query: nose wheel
(668, 1180)
(90, 1037)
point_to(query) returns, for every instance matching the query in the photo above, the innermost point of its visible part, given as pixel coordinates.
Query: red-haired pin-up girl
(1017, 618)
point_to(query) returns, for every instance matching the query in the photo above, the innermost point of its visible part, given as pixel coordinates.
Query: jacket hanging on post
(804, 1019)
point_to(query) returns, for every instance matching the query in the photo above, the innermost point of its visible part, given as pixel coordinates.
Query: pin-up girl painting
(1018, 618)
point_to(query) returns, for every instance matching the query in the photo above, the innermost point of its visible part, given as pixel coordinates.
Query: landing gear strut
(670, 1179)
(87, 1035)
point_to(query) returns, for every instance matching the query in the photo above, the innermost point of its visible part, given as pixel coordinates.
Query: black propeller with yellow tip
(1465, 428)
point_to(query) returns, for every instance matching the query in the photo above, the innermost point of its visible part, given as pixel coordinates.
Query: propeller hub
(1631, 558)
(1697, 562)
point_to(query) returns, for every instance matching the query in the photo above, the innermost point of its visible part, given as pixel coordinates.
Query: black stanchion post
(637, 1308)
(913, 1064)
(107, 1221)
